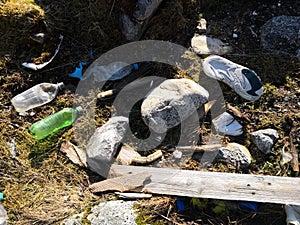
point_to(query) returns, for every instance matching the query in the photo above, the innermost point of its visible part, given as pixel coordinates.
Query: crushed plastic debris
(248, 206)
(226, 124)
(78, 71)
(34, 66)
(207, 45)
(180, 204)
(286, 157)
(37, 95)
(12, 148)
(112, 71)
(292, 214)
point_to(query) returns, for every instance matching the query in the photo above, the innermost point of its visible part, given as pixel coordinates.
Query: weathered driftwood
(129, 155)
(123, 183)
(227, 186)
(295, 162)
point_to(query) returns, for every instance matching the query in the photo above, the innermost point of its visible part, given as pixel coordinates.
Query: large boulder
(172, 102)
(104, 144)
(281, 35)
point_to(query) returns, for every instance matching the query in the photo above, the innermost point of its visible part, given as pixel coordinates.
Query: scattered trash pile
(165, 106)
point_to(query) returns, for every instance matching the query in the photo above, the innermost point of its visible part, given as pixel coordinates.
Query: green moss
(84, 220)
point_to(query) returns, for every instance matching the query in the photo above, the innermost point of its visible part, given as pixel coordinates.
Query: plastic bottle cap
(61, 85)
(1, 196)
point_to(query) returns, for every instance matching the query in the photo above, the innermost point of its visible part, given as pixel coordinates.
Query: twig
(112, 7)
(211, 147)
(294, 153)
(166, 218)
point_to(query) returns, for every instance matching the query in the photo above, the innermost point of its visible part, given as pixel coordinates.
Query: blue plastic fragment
(78, 71)
(1, 196)
(135, 66)
(249, 206)
(180, 205)
(91, 53)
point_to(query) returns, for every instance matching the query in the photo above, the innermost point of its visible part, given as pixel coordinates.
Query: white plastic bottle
(38, 95)
(3, 214)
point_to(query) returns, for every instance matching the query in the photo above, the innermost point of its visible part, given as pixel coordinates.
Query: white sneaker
(244, 81)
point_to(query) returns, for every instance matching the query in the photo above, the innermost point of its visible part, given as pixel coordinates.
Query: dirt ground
(41, 185)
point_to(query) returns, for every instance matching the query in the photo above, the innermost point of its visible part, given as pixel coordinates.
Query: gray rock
(280, 35)
(264, 139)
(105, 142)
(132, 26)
(235, 154)
(145, 8)
(107, 213)
(172, 102)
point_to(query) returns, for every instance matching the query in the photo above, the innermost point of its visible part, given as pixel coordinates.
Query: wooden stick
(294, 153)
(202, 148)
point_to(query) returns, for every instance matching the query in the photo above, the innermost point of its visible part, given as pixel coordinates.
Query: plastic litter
(286, 157)
(180, 205)
(226, 124)
(248, 206)
(12, 148)
(113, 71)
(38, 95)
(55, 122)
(207, 45)
(40, 66)
(3, 213)
(78, 71)
(292, 214)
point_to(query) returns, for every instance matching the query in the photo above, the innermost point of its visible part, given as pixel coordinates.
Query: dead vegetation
(40, 184)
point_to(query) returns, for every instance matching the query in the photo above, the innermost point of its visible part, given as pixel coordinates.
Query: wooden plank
(227, 186)
(123, 183)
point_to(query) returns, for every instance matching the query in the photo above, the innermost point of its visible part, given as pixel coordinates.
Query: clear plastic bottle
(55, 122)
(38, 95)
(3, 214)
(113, 71)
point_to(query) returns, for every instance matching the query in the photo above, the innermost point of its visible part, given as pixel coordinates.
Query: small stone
(202, 25)
(177, 154)
(235, 35)
(104, 143)
(264, 139)
(172, 102)
(235, 154)
(207, 45)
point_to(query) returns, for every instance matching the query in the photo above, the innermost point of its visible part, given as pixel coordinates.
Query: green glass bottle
(55, 122)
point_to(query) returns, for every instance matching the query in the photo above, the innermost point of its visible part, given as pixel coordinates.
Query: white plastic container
(38, 95)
